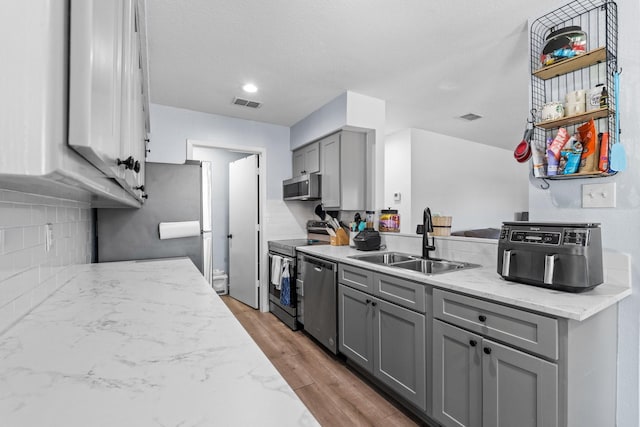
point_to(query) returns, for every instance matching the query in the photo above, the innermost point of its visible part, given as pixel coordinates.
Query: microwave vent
(246, 103)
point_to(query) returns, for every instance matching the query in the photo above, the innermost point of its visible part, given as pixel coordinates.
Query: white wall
(397, 176)
(325, 120)
(620, 225)
(478, 185)
(171, 127)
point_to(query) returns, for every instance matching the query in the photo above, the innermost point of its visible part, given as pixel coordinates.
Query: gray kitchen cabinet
(479, 382)
(342, 166)
(534, 370)
(386, 340)
(37, 158)
(399, 351)
(356, 277)
(306, 159)
(518, 389)
(457, 376)
(355, 328)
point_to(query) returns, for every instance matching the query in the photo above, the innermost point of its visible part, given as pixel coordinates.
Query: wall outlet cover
(599, 195)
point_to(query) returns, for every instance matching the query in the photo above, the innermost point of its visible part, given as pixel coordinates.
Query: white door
(243, 230)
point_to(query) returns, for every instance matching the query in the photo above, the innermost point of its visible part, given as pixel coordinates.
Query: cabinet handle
(128, 163)
(473, 343)
(482, 318)
(145, 196)
(487, 350)
(140, 187)
(374, 303)
(136, 167)
(368, 301)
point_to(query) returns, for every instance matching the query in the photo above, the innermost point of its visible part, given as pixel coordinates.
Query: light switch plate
(396, 197)
(599, 195)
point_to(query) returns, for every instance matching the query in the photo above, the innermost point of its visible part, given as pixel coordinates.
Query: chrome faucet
(427, 226)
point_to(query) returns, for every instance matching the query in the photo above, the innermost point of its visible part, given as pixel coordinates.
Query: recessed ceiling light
(250, 87)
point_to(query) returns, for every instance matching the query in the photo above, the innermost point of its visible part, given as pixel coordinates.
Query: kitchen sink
(414, 262)
(433, 266)
(386, 258)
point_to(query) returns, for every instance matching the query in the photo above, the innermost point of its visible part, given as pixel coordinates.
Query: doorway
(229, 255)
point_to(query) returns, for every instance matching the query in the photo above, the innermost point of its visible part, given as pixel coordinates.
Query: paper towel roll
(175, 230)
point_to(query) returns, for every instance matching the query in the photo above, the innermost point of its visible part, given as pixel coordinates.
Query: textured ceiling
(430, 61)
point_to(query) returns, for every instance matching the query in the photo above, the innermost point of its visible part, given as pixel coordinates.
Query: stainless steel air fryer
(562, 256)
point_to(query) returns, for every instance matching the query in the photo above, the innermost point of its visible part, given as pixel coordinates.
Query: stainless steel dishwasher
(319, 278)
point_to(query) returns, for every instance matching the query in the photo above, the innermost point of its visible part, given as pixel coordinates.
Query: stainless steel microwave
(303, 187)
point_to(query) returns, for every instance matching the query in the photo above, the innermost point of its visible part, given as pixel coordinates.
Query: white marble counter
(485, 283)
(139, 344)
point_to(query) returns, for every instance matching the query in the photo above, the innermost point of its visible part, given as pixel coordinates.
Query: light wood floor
(334, 394)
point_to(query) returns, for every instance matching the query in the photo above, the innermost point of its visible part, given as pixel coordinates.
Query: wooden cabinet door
(399, 343)
(457, 376)
(330, 170)
(355, 335)
(518, 389)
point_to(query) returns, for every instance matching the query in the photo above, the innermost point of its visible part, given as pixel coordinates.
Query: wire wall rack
(551, 83)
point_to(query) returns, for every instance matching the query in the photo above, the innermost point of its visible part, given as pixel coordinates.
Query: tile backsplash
(29, 271)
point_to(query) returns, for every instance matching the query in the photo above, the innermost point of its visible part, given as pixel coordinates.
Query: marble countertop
(145, 343)
(484, 282)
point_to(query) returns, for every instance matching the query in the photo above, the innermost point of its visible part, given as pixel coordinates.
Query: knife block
(340, 239)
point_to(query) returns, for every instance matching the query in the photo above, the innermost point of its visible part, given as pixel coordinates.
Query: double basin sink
(414, 262)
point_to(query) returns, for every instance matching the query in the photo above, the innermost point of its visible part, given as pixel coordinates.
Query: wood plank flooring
(334, 394)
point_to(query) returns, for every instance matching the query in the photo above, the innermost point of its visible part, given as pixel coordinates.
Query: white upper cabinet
(96, 82)
(106, 119)
(51, 96)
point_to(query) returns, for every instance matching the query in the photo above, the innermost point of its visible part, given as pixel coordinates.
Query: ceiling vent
(246, 103)
(471, 117)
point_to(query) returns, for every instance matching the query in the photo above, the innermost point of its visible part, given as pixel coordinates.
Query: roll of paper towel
(175, 230)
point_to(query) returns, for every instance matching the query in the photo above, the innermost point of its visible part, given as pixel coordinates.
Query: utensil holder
(340, 239)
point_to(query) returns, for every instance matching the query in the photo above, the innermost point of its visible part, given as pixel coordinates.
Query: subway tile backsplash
(29, 273)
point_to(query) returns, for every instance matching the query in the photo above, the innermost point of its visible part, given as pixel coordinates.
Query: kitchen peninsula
(139, 343)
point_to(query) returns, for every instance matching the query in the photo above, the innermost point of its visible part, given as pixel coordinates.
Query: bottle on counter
(369, 219)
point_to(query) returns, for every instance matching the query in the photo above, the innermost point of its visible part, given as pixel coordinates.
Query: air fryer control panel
(569, 236)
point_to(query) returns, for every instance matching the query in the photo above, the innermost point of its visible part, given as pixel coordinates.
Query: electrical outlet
(599, 195)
